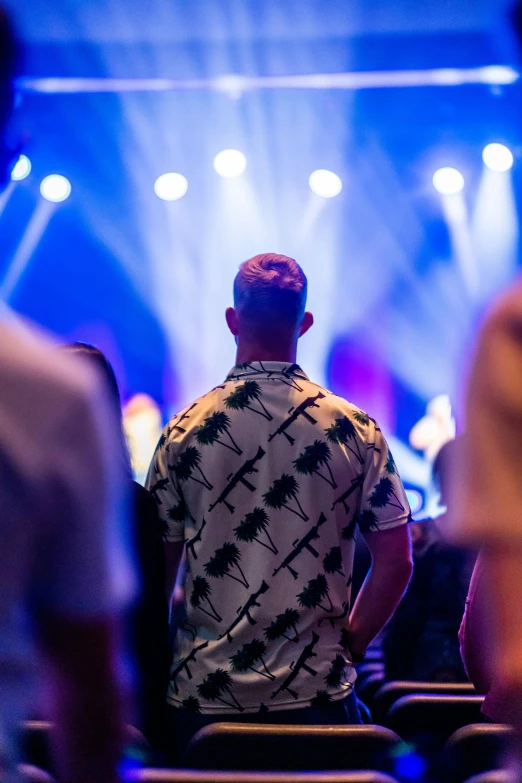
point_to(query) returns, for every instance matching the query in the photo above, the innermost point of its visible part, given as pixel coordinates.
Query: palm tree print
(282, 624)
(217, 424)
(214, 685)
(223, 560)
(361, 417)
(367, 521)
(191, 704)
(333, 562)
(312, 458)
(179, 512)
(311, 595)
(321, 699)
(281, 491)
(255, 523)
(344, 640)
(348, 532)
(382, 492)
(242, 397)
(245, 658)
(342, 431)
(336, 675)
(188, 461)
(289, 374)
(201, 591)
(390, 466)
(161, 442)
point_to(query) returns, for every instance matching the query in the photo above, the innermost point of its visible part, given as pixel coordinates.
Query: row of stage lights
(54, 187)
(449, 181)
(232, 163)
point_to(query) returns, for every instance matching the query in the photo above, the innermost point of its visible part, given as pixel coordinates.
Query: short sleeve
(87, 562)
(487, 490)
(384, 504)
(161, 484)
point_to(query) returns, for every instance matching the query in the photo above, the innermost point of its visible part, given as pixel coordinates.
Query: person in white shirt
(262, 483)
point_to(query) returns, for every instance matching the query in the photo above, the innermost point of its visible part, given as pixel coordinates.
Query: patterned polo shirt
(265, 479)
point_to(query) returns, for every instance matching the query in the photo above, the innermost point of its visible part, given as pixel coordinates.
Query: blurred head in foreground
(105, 371)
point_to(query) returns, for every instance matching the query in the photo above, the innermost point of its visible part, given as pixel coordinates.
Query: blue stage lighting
(171, 186)
(325, 183)
(55, 188)
(497, 157)
(448, 181)
(230, 163)
(22, 168)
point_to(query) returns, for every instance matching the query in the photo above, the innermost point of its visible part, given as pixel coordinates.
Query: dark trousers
(184, 724)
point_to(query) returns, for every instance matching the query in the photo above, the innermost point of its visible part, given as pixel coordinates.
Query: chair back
(195, 776)
(248, 746)
(393, 690)
(368, 687)
(474, 749)
(428, 720)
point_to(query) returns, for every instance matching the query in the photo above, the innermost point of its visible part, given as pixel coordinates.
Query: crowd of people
(223, 590)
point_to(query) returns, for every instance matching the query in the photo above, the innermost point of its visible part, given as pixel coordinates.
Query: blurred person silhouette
(262, 483)
(488, 492)
(488, 499)
(149, 614)
(421, 640)
(65, 566)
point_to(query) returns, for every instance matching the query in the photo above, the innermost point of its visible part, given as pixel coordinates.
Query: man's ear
(306, 323)
(231, 318)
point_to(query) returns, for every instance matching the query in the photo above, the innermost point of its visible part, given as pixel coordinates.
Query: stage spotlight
(230, 163)
(497, 157)
(325, 183)
(448, 181)
(55, 188)
(171, 186)
(22, 168)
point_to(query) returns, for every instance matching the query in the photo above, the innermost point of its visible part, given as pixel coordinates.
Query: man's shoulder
(191, 415)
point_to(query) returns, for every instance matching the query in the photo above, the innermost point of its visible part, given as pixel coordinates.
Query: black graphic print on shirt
(266, 479)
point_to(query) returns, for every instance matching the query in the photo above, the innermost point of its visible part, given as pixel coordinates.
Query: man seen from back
(262, 483)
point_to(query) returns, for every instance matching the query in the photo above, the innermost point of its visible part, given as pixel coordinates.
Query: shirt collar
(266, 370)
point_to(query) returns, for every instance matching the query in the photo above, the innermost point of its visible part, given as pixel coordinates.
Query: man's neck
(246, 354)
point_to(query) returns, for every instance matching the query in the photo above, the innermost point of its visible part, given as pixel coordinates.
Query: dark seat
(367, 688)
(365, 669)
(240, 746)
(428, 720)
(393, 690)
(475, 749)
(194, 776)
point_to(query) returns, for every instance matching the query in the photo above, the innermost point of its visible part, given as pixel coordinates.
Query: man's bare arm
(383, 587)
(86, 698)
